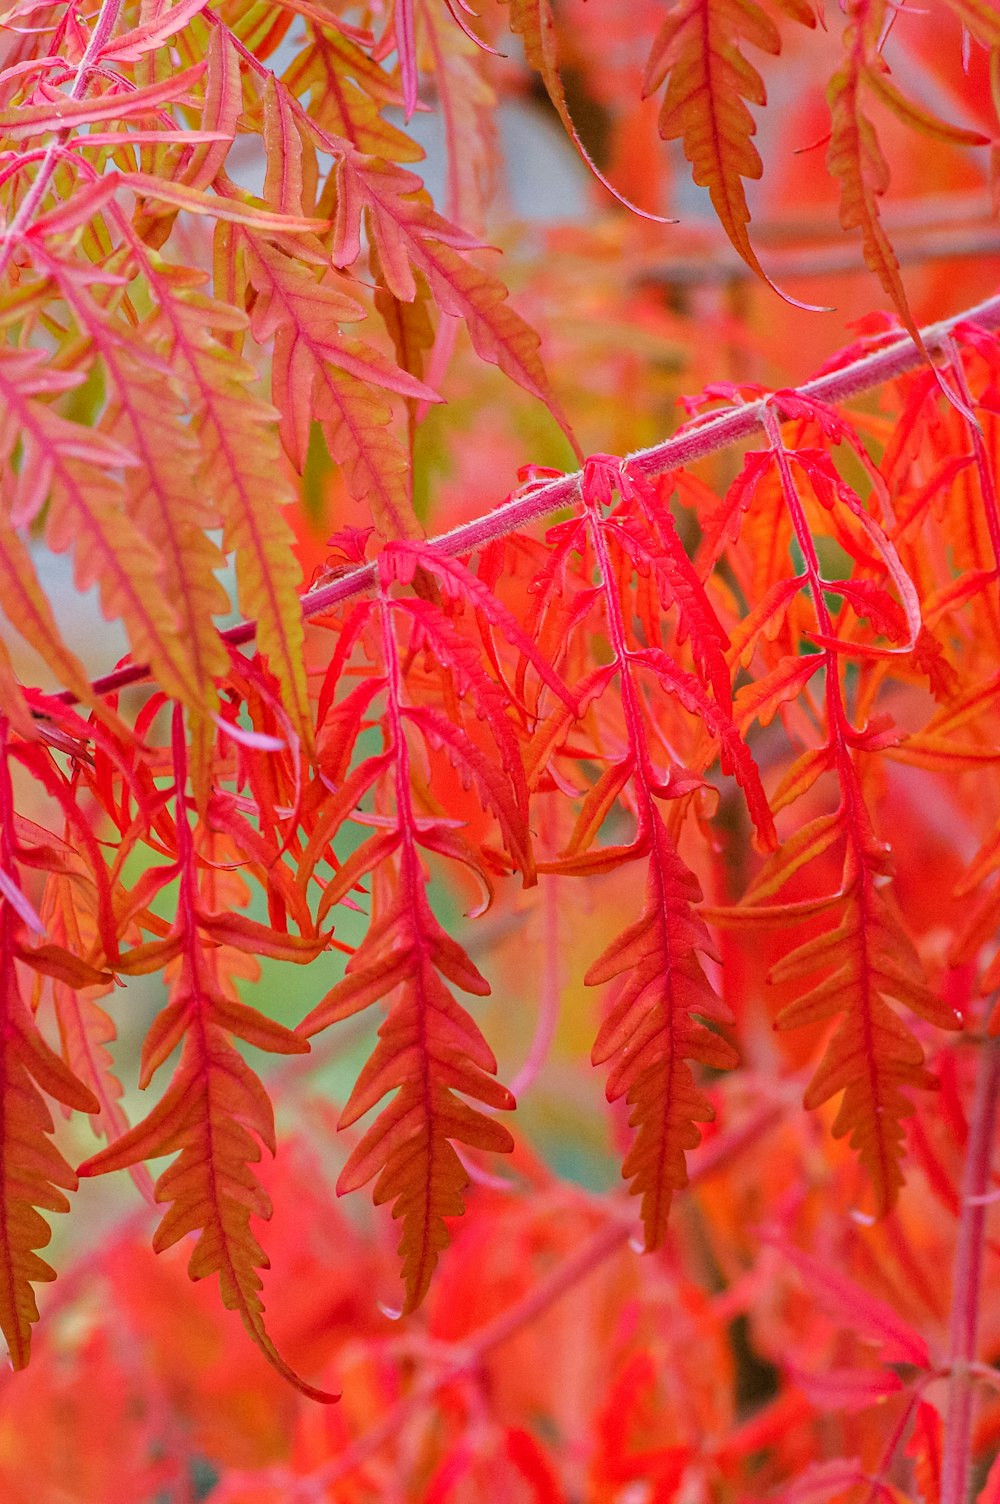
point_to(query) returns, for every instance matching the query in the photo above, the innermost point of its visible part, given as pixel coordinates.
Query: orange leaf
(708, 79)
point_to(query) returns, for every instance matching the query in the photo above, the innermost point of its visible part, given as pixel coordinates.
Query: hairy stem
(967, 1279)
(703, 437)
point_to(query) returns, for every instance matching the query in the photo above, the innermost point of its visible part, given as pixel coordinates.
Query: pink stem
(99, 37)
(967, 1282)
(607, 1240)
(693, 443)
(468, 1355)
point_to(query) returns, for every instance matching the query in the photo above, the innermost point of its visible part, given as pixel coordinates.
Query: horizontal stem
(694, 442)
(722, 266)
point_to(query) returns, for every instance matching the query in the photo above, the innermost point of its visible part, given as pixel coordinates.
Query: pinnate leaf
(216, 1113)
(867, 963)
(75, 469)
(651, 1035)
(709, 81)
(410, 237)
(855, 157)
(318, 373)
(33, 1173)
(430, 1049)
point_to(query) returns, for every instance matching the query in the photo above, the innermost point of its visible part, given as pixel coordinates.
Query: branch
(721, 266)
(967, 1282)
(466, 1358)
(694, 442)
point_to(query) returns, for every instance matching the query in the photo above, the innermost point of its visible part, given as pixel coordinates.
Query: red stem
(967, 1280)
(693, 443)
(468, 1356)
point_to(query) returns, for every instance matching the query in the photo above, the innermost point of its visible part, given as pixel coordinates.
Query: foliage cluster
(704, 740)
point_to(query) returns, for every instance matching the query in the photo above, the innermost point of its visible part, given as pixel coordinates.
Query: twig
(99, 37)
(694, 442)
(721, 265)
(607, 1240)
(467, 1356)
(967, 1280)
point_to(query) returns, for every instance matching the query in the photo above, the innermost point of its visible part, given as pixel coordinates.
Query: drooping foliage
(701, 733)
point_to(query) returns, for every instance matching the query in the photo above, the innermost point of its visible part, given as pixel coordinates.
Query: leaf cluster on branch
(742, 681)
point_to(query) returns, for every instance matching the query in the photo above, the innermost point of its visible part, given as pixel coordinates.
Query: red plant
(744, 682)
